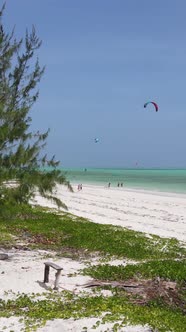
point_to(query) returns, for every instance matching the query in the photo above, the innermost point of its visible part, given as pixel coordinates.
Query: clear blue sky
(104, 59)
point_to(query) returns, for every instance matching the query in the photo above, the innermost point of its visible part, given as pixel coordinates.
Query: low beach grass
(78, 238)
(41, 229)
(166, 269)
(64, 305)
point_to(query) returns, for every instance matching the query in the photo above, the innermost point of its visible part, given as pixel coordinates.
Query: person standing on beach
(80, 187)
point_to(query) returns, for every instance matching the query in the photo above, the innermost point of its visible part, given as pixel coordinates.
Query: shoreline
(134, 190)
(153, 179)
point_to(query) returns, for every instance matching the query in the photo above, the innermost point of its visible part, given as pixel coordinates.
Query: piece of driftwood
(3, 256)
(97, 283)
(144, 290)
(47, 270)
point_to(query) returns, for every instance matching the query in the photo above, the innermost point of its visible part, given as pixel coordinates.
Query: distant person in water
(121, 184)
(118, 184)
(109, 185)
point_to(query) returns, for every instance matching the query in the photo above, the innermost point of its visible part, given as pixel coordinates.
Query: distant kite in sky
(96, 140)
(151, 102)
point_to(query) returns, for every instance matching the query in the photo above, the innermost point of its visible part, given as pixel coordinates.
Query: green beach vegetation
(155, 260)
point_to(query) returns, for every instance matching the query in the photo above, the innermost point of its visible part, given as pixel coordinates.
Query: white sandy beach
(23, 272)
(153, 213)
(158, 213)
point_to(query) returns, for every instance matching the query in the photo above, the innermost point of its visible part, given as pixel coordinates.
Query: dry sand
(163, 214)
(23, 272)
(150, 212)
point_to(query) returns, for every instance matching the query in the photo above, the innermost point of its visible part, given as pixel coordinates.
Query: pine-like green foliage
(22, 162)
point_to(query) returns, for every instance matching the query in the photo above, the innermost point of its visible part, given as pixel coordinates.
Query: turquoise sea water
(166, 180)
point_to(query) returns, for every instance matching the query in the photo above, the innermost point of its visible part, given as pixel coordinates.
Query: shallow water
(166, 180)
